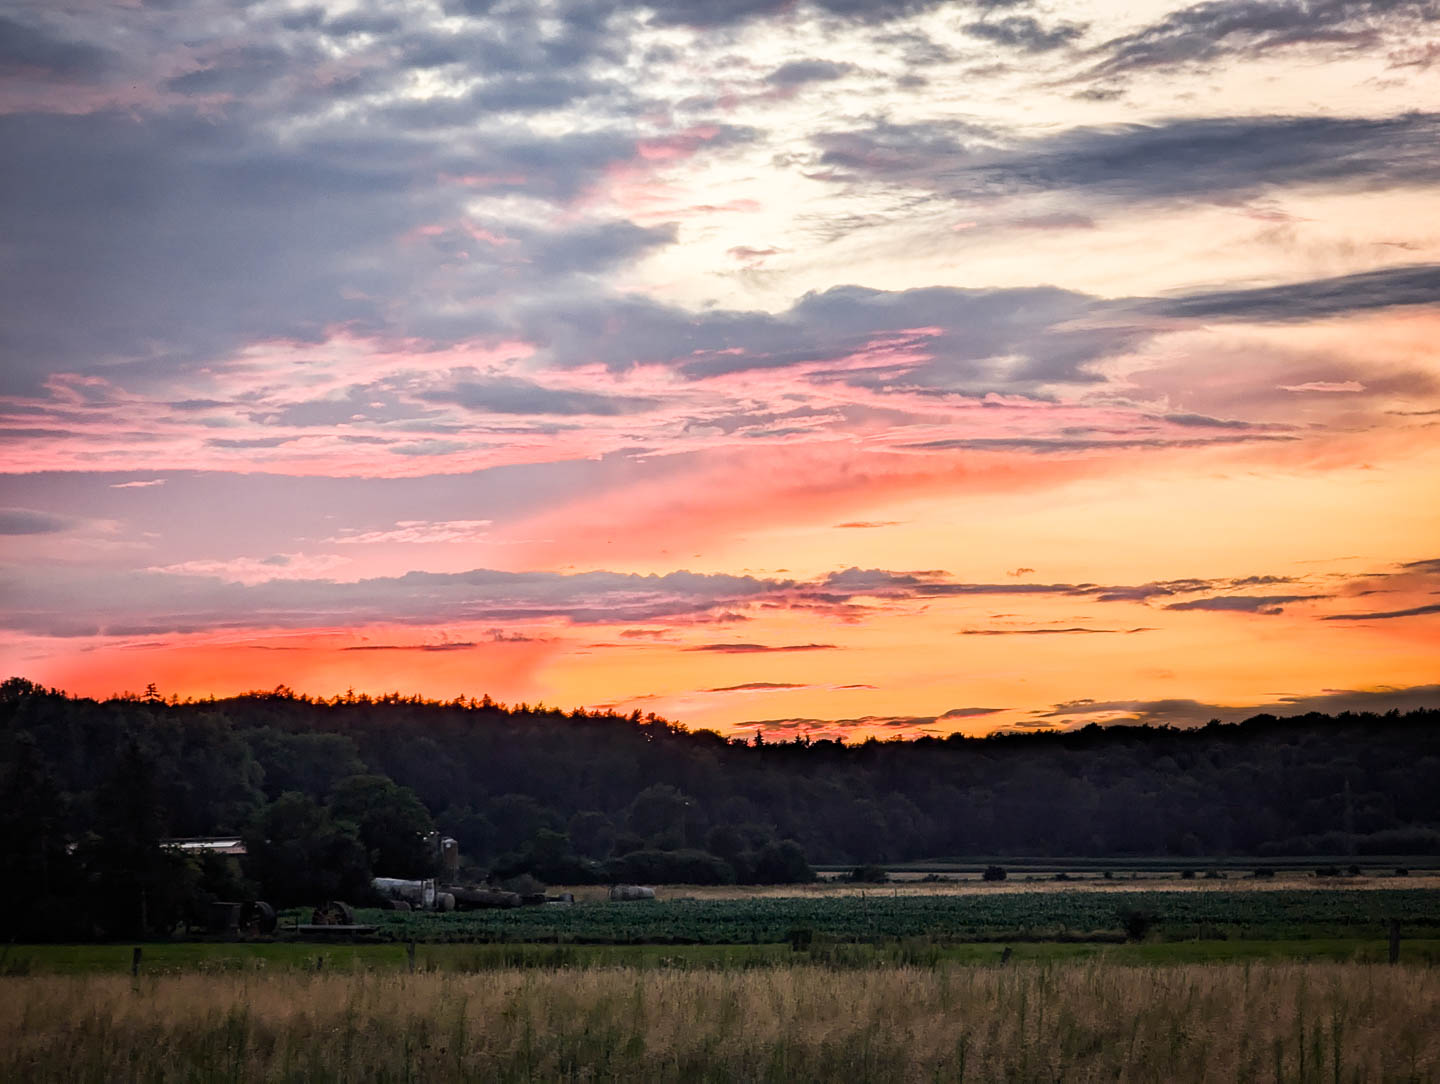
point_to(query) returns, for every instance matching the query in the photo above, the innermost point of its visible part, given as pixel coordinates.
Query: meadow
(261, 957)
(1078, 1021)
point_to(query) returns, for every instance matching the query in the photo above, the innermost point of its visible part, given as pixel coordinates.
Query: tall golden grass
(1071, 1022)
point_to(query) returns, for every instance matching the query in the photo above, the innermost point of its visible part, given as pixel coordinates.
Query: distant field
(907, 882)
(886, 912)
(1168, 865)
(1083, 1020)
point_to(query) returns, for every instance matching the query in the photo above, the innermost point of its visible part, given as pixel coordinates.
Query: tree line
(327, 793)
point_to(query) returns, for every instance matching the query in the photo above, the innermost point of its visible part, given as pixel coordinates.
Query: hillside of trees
(328, 792)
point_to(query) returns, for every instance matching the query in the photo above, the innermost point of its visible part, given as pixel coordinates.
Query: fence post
(410, 956)
(135, 955)
(1394, 940)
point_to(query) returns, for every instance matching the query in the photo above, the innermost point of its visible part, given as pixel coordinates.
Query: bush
(1187, 874)
(1136, 922)
(869, 874)
(781, 863)
(1262, 872)
(993, 873)
(800, 938)
(523, 884)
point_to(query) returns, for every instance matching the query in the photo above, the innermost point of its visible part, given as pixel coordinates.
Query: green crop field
(1274, 915)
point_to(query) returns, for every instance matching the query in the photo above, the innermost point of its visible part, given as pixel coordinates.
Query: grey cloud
(158, 601)
(886, 722)
(798, 72)
(1074, 444)
(1318, 298)
(1040, 632)
(1254, 604)
(594, 248)
(1203, 421)
(454, 645)
(1026, 33)
(155, 602)
(249, 442)
(878, 722)
(25, 48)
(165, 231)
(1215, 159)
(759, 649)
(757, 686)
(1180, 712)
(508, 395)
(163, 242)
(361, 22)
(1414, 611)
(1212, 31)
(980, 335)
(18, 521)
(720, 13)
(241, 71)
(534, 93)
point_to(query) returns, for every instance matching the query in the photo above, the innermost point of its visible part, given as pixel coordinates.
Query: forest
(328, 793)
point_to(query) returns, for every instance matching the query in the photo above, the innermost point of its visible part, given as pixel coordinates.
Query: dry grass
(909, 885)
(1074, 1022)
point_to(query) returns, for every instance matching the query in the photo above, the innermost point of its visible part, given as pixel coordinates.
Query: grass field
(280, 957)
(1076, 1021)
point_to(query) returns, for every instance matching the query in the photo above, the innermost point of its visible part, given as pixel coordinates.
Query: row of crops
(1038, 916)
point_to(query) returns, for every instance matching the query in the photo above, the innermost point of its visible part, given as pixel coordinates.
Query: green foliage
(391, 823)
(498, 778)
(671, 867)
(37, 864)
(1136, 922)
(300, 855)
(136, 887)
(593, 834)
(781, 862)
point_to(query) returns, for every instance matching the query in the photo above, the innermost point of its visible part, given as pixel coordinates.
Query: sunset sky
(837, 367)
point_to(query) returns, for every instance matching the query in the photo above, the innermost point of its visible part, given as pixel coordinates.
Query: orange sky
(923, 368)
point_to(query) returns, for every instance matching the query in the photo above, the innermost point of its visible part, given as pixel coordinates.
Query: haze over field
(837, 368)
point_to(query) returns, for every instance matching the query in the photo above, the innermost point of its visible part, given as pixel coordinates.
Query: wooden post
(410, 956)
(1394, 940)
(135, 955)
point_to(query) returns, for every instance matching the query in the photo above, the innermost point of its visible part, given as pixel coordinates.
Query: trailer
(418, 895)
